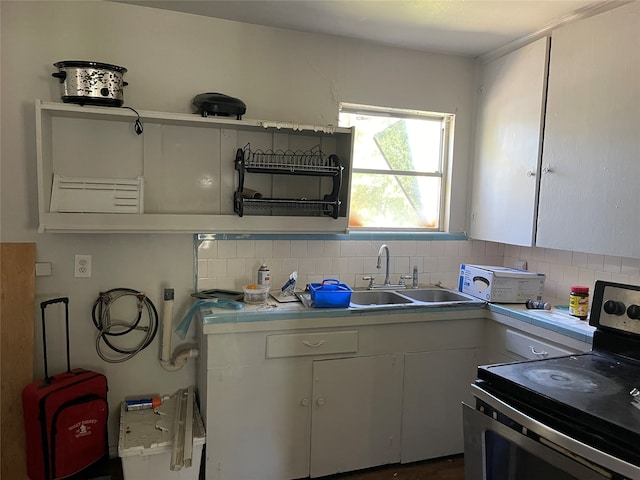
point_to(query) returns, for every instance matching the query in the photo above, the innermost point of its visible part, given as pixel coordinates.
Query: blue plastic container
(330, 294)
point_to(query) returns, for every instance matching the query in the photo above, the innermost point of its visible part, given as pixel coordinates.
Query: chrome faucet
(387, 280)
(384, 248)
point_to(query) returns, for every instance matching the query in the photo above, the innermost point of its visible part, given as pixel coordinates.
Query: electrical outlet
(82, 266)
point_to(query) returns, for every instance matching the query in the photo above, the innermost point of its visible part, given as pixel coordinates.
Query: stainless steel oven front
(502, 443)
(575, 417)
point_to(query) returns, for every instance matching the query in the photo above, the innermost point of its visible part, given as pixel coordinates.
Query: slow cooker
(91, 83)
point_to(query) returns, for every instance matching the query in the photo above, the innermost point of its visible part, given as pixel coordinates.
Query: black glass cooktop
(585, 395)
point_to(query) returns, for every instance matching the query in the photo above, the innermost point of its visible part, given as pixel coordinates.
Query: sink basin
(435, 295)
(367, 298)
(423, 297)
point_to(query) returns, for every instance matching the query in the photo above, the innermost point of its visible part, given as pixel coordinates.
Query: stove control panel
(616, 306)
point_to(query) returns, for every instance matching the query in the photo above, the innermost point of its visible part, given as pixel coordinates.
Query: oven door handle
(558, 440)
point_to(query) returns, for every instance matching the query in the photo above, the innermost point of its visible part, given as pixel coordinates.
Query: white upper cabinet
(511, 97)
(95, 173)
(589, 198)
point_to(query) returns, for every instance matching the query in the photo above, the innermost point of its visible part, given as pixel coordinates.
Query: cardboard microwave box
(500, 284)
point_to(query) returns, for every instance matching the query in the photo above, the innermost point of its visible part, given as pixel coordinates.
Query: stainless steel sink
(435, 295)
(366, 298)
(423, 297)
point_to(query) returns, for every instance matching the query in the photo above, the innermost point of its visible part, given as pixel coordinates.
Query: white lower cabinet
(259, 421)
(282, 405)
(356, 414)
(531, 348)
(435, 384)
(505, 341)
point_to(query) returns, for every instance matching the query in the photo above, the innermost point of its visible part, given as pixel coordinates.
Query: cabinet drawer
(299, 344)
(530, 348)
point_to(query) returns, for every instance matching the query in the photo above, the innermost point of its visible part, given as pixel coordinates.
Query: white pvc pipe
(167, 325)
(180, 360)
(167, 329)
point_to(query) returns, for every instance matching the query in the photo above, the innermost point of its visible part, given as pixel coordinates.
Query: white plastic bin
(145, 449)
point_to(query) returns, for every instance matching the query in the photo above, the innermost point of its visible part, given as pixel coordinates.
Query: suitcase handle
(43, 306)
(55, 300)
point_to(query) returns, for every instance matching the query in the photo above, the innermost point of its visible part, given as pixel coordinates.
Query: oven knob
(614, 308)
(634, 312)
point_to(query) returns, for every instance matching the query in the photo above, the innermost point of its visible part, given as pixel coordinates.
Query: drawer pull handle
(540, 354)
(314, 345)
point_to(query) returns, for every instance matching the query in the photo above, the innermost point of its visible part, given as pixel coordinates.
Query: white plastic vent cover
(97, 195)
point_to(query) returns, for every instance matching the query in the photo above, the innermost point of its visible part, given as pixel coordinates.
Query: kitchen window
(399, 163)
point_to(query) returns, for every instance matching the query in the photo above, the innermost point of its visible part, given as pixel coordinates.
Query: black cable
(138, 124)
(101, 316)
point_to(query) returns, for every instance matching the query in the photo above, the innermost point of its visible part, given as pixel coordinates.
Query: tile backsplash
(565, 268)
(230, 264)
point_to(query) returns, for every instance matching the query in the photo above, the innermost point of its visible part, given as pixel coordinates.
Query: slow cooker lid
(88, 64)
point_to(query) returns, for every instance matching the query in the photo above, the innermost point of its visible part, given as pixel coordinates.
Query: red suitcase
(65, 417)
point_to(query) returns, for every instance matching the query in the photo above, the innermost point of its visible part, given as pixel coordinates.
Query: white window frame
(446, 150)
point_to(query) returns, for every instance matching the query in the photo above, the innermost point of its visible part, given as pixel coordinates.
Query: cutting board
(17, 314)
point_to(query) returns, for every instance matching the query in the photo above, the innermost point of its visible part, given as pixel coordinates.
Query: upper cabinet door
(509, 122)
(589, 197)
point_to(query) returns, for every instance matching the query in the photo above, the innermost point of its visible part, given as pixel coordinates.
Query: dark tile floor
(451, 468)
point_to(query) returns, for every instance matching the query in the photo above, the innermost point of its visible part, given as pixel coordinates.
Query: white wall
(171, 57)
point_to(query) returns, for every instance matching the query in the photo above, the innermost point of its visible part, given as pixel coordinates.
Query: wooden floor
(451, 468)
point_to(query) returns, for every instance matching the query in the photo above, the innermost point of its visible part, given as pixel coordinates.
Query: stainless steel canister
(91, 83)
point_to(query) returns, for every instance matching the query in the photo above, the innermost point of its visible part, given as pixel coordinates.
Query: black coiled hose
(107, 328)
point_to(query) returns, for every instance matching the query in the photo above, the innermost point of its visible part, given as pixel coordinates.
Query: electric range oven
(575, 417)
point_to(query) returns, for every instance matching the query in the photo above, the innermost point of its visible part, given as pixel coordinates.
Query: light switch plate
(43, 269)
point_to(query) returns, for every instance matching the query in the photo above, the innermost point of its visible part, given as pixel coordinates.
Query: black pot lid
(221, 98)
(88, 64)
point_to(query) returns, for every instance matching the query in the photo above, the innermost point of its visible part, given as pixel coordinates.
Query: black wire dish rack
(311, 162)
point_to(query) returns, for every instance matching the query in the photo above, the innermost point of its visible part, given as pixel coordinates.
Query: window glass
(398, 165)
(394, 201)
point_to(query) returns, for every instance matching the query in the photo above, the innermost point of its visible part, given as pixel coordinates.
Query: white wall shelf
(187, 162)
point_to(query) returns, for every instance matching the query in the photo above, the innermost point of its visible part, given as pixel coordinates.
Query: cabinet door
(435, 383)
(508, 144)
(588, 195)
(258, 421)
(356, 417)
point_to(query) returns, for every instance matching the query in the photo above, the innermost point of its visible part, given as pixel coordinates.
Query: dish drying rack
(311, 162)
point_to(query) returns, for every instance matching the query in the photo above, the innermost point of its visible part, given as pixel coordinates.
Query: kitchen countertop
(216, 320)
(556, 319)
